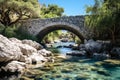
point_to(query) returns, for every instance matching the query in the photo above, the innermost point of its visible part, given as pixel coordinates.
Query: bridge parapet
(41, 27)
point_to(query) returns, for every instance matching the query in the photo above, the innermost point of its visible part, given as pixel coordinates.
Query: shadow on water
(9, 75)
(80, 59)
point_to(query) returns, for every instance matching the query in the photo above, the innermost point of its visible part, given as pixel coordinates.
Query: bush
(1, 28)
(14, 31)
(53, 50)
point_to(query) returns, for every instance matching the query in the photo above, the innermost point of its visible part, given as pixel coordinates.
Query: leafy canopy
(51, 11)
(11, 11)
(104, 16)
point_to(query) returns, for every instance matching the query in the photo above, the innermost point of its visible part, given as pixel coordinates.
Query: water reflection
(64, 47)
(9, 76)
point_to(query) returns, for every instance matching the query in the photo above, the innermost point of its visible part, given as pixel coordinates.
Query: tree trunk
(113, 36)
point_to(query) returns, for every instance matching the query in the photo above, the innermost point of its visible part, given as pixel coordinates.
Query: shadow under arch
(59, 26)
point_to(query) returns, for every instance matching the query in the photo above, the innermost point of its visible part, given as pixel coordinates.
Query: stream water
(77, 68)
(74, 68)
(63, 50)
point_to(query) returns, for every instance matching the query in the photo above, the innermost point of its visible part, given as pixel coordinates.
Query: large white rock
(37, 58)
(15, 40)
(33, 44)
(26, 49)
(44, 52)
(8, 50)
(14, 66)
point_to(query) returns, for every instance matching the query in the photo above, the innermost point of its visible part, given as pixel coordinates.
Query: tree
(104, 17)
(51, 11)
(11, 11)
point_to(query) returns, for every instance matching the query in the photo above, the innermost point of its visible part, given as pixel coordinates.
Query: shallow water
(63, 50)
(74, 68)
(78, 68)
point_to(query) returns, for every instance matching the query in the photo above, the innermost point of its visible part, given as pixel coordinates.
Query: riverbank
(27, 60)
(17, 55)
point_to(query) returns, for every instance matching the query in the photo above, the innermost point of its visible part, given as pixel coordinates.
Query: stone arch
(59, 26)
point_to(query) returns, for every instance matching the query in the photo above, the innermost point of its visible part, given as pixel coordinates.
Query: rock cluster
(98, 50)
(16, 54)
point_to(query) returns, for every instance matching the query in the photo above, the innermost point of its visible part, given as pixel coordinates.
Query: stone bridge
(41, 27)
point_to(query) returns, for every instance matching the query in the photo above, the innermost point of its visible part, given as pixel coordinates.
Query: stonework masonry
(41, 27)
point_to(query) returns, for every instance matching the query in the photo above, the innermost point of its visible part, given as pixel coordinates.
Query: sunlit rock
(113, 62)
(15, 40)
(61, 57)
(33, 44)
(27, 50)
(8, 50)
(14, 66)
(45, 53)
(37, 58)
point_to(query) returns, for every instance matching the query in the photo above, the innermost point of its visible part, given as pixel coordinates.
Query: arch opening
(51, 28)
(61, 36)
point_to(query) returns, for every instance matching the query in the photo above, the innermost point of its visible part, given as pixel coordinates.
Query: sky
(71, 7)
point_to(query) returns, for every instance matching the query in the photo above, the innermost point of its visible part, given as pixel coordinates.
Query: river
(74, 68)
(78, 68)
(63, 49)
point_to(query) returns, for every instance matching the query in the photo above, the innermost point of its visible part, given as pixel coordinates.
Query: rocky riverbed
(99, 50)
(16, 55)
(75, 68)
(28, 60)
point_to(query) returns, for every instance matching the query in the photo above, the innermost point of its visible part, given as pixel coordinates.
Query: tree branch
(16, 20)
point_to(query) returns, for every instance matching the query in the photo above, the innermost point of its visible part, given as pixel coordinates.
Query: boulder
(106, 45)
(82, 47)
(115, 52)
(26, 49)
(79, 53)
(45, 53)
(33, 44)
(101, 56)
(37, 58)
(14, 66)
(8, 50)
(93, 46)
(26, 59)
(15, 40)
(23, 58)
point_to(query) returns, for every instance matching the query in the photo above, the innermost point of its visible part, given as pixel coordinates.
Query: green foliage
(103, 16)
(52, 36)
(10, 32)
(11, 11)
(51, 11)
(53, 50)
(23, 35)
(1, 28)
(14, 31)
